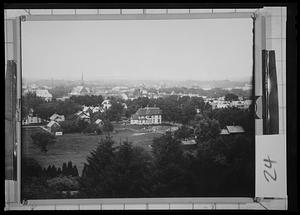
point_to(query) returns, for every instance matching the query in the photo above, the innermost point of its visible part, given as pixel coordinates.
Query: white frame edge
(17, 37)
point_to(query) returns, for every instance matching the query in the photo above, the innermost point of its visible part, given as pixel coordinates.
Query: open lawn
(76, 147)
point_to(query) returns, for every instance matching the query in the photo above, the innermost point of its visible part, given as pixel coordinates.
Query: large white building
(146, 116)
(44, 94)
(80, 90)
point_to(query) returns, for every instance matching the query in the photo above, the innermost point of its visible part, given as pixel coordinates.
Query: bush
(92, 128)
(42, 139)
(73, 126)
(31, 168)
(61, 183)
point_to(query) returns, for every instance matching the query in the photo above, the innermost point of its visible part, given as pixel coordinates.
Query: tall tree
(130, 172)
(169, 167)
(30, 101)
(207, 129)
(93, 181)
(64, 169)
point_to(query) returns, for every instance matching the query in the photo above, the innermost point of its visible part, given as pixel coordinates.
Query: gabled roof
(54, 116)
(79, 90)
(224, 131)
(148, 111)
(43, 93)
(86, 108)
(106, 101)
(51, 123)
(235, 129)
(83, 114)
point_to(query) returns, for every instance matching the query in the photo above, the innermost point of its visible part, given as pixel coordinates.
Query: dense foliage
(29, 102)
(218, 165)
(87, 100)
(231, 97)
(174, 108)
(38, 183)
(43, 139)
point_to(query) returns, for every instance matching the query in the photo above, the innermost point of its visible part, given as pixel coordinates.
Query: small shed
(232, 129)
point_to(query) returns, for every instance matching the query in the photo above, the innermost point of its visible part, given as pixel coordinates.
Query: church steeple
(82, 82)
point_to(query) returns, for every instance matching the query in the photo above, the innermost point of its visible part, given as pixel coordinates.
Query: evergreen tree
(48, 171)
(69, 168)
(169, 167)
(75, 171)
(93, 181)
(130, 172)
(59, 172)
(53, 171)
(207, 129)
(121, 172)
(64, 169)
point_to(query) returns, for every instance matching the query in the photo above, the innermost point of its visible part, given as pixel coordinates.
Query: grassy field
(76, 147)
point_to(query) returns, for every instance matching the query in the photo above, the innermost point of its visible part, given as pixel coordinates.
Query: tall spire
(82, 83)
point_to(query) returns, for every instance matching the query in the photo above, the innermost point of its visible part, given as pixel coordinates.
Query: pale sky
(195, 49)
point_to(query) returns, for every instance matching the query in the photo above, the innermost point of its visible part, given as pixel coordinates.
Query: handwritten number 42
(268, 164)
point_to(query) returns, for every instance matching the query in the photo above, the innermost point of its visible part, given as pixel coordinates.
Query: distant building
(189, 142)
(44, 94)
(106, 104)
(234, 129)
(64, 98)
(124, 96)
(147, 116)
(247, 87)
(57, 118)
(53, 127)
(124, 106)
(81, 115)
(99, 122)
(222, 104)
(80, 90)
(31, 120)
(96, 109)
(237, 104)
(247, 103)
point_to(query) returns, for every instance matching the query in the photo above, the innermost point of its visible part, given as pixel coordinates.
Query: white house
(80, 91)
(31, 120)
(44, 94)
(54, 127)
(106, 104)
(237, 104)
(147, 116)
(57, 118)
(96, 109)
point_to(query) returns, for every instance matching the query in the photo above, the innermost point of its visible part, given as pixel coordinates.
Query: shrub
(42, 139)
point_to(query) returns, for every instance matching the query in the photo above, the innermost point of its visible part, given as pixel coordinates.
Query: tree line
(218, 165)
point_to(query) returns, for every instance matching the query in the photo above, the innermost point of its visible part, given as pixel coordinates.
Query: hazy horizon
(196, 49)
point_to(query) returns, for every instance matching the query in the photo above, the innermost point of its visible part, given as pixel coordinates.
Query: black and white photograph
(145, 103)
(137, 108)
